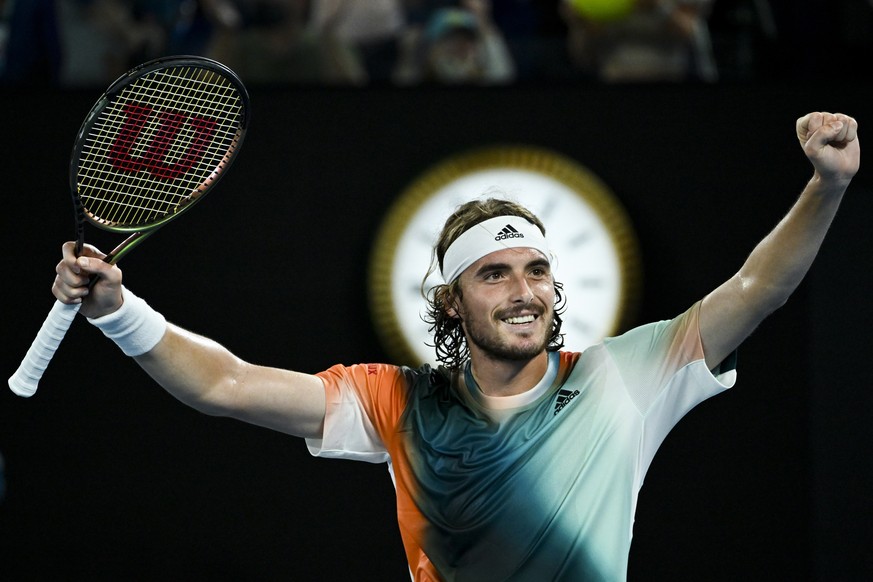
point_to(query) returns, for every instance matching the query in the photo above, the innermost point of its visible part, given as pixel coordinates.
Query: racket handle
(25, 379)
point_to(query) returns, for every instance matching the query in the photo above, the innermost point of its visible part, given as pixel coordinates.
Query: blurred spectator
(276, 46)
(655, 40)
(457, 46)
(418, 12)
(201, 24)
(91, 42)
(372, 27)
(31, 51)
(102, 39)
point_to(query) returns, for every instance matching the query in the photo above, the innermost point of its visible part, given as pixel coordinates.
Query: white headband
(494, 234)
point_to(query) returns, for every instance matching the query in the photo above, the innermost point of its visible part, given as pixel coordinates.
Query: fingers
(830, 142)
(74, 273)
(69, 287)
(851, 128)
(807, 125)
(827, 128)
(839, 127)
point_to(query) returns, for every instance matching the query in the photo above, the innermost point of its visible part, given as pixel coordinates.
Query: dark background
(109, 477)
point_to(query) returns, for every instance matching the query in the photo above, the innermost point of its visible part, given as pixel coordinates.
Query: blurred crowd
(77, 43)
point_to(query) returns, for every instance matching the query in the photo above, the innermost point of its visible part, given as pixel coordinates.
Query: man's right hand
(74, 274)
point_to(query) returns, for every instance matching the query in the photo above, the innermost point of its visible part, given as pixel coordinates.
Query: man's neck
(500, 377)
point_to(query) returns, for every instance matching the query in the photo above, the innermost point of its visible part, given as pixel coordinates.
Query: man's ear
(453, 306)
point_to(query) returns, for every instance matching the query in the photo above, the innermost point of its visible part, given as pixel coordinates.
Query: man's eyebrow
(488, 267)
(491, 267)
(540, 262)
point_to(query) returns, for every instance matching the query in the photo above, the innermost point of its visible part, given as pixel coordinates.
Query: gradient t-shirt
(537, 486)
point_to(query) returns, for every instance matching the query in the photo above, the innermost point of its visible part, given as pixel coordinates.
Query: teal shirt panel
(549, 493)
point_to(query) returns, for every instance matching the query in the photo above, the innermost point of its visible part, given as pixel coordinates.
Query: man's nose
(521, 291)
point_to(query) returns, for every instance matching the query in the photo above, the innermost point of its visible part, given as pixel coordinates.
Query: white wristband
(135, 327)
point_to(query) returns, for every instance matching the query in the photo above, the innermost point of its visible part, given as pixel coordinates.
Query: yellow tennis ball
(603, 10)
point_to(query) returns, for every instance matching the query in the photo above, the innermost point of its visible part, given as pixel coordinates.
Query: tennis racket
(156, 142)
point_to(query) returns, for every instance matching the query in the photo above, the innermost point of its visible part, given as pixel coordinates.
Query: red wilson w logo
(153, 160)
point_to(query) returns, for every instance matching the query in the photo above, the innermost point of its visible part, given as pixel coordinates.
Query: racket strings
(159, 145)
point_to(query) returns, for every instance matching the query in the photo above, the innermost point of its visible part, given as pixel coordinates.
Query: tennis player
(515, 459)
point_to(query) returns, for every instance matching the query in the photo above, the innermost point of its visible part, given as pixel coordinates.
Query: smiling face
(506, 304)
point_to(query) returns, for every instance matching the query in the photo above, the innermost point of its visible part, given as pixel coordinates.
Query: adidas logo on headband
(488, 236)
(508, 232)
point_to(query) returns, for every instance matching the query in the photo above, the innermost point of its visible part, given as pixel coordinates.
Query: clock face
(595, 250)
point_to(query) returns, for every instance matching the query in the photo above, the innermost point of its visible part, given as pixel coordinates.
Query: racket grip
(26, 378)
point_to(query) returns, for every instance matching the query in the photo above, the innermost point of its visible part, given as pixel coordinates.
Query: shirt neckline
(514, 401)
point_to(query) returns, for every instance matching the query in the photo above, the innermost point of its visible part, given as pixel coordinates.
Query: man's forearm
(779, 262)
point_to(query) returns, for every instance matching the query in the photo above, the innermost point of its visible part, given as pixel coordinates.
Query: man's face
(453, 58)
(508, 304)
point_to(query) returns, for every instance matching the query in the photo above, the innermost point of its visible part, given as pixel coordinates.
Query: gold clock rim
(577, 177)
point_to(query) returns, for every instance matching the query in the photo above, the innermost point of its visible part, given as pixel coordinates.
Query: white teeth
(523, 319)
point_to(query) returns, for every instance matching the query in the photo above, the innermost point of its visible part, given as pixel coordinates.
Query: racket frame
(140, 232)
(24, 381)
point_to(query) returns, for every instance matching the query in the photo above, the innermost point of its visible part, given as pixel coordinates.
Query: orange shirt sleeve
(363, 405)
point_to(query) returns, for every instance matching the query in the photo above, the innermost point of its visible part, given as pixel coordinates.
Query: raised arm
(779, 262)
(198, 371)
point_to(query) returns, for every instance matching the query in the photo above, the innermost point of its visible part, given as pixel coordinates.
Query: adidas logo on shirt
(508, 232)
(563, 399)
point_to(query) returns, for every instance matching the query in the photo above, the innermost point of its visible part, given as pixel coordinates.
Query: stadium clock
(586, 227)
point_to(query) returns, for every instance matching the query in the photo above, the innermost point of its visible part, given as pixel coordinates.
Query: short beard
(495, 349)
